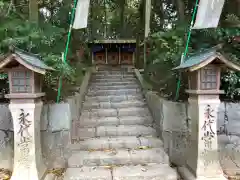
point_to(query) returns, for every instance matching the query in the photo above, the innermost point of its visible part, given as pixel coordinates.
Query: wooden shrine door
(113, 58)
(100, 58)
(127, 59)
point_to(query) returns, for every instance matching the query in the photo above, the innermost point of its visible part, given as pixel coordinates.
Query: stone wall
(56, 124)
(173, 125)
(6, 137)
(172, 122)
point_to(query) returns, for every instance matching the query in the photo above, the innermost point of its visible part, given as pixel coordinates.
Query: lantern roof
(203, 58)
(29, 60)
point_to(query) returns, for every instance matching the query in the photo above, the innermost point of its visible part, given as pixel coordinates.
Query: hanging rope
(186, 49)
(66, 49)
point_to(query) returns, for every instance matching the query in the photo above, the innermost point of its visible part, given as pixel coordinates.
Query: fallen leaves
(5, 174)
(114, 150)
(143, 147)
(233, 177)
(57, 172)
(144, 169)
(108, 150)
(92, 150)
(5, 177)
(110, 167)
(104, 150)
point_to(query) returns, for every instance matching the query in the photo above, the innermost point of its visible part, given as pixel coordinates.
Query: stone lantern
(25, 73)
(204, 73)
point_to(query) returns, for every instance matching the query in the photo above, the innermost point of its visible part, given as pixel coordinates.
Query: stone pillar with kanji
(204, 71)
(25, 72)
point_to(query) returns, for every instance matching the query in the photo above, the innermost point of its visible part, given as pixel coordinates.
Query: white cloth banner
(147, 17)
(209, 13)
(81, 14)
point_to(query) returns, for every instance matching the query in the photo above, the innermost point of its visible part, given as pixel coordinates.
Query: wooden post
(119, 55)
(133, 58)
(106, 54)
(145, 55)
(92, 57)
(33, 11)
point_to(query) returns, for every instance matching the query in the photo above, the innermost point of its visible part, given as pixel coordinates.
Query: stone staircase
(114, 138)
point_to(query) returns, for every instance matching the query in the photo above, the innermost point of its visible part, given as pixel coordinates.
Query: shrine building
(113, 52)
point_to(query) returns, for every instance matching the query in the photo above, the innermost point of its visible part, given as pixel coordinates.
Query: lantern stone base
(187, 175)
(28, 162)
(203, 158)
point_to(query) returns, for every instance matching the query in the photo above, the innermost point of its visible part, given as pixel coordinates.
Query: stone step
(117, 70)
(88, 173)
(118, 98)
(133, 111)
(113, 92)
(145, 172)
(114, 87)
(121, 142)
(113, 75)
(139, 172)
(108, 105)
(112, 98)
(113, 69)
(104, 83)
(113, 79)
(114, 121)
(123, 70)
(117, 157)
(113, 131)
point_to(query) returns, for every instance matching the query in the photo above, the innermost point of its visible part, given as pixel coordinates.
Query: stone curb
(142, 82)
(84, 85)
(80, 99)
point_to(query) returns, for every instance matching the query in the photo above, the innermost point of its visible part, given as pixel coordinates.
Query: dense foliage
(41, 26)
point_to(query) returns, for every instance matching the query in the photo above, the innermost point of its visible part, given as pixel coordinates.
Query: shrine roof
(27, 59)
(114, 41)
(203, 58)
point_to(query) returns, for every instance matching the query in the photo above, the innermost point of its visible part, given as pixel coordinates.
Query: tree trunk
(181, 10)
(91, 21)
(33, 10)
(238, 7)
(105, 19)
(140, 33)
(122, 22)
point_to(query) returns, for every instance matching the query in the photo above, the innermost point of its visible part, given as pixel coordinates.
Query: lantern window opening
(208, 78)
(21, 82)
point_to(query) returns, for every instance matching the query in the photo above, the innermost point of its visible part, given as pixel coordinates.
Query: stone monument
(25, 72)
(204, 71)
